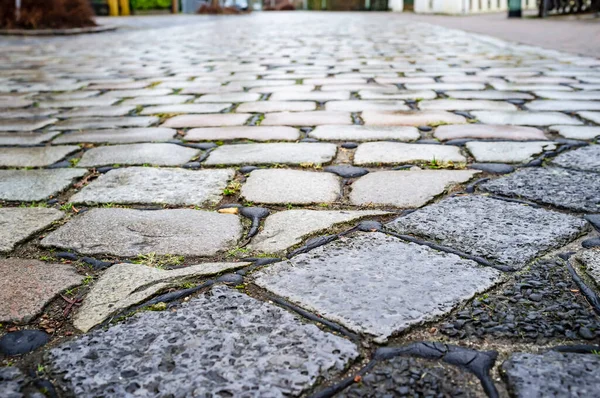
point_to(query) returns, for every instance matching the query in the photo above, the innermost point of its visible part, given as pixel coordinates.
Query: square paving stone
(291, 186)
(153, 185)
(254, 133)
(566, 189)
(108, 111)
(593, 116)
(220, 343)
(552, 374)
(25, 124)
(209, 120)
(359, 106)
(507, 152)
(410, 118)
(315, 118)
(26, 138)
(405, 189)
(365, 133)
(117, 136)
(137, 154)
(525, 118)
(273, 153)
(489, 131)
(34, 156)
(35, 185)
(18, 224)
(83, 123)
(377, 284)
(184, 108)
(129, 232)
(577, 132)
(276, 106)
(395, 152)
(465, 105)
(36, 283)
(505, 232)
(586, 158)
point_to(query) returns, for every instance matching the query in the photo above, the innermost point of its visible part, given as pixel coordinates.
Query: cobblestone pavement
(298, 205)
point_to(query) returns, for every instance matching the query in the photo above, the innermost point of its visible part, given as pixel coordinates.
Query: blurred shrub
(150, 4)
(47, 14)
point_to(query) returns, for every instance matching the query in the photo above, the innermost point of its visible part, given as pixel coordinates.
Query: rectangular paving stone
(254, 133)
(445, 86)
(229, 97)
(410, 118)
(144, 92)
(25, 124)
(178, 187)
(319, 96)
(26, 113)
(108, 111)
(316, 118)
(586, 158)
(281, 186)
(137, 154)
(35, 185)
(34, 156)
(365, 133)
(78, 103)
(19, 224)
(209, 120)
(6, 102)
(567, 189)
(272, 153)
(377, 284)
(504, 232)
(396, 94)
(507, 152)
(569, 95)
(130, 232)
(488, 95)
(363, 105)
(525, 118)
(489, 131)
(220, 342)
(117, 136)
(276, 106)
(577, 132)
(563, 105)
(184, 108)
(84, 123)
(159, 100)
(26, 138)
(282, 89)
(465, 105)
(405, 189)
(393, 153)
(593, 116)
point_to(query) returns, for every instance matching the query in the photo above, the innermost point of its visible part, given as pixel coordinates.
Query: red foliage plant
(46, 14)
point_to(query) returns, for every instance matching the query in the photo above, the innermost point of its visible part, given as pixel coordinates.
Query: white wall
(455, 7)
(396, 5)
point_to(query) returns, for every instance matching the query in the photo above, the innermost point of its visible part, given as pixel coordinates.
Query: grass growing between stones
(157, 261)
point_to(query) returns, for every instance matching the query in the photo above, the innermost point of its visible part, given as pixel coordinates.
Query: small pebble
(589, 243)
(247, 169)
(66, 256)
(22, 341)
(349, 145)
(425, 128)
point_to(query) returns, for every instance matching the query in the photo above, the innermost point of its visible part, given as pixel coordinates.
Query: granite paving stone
(272, 153)
(586, 158)
(405, 189)
(505, 232)
(410, 118)
(107, 111)
(26, 113)
(160, 100)
(137, 154)
(279, 186)
(507, 152)
(35, 185)
(79, 103)
(577, 132)
(143, 92)
(37, 283)
(209, 120)
(396, 94)
(170, 186)
(228, 97)
(117, 136)
(590, 262)
(221, 342)
(365, 105)
(593, 116)
(34, 156)
(488, 95)
(25, 139)
(563, 105)
(465, 105)
(15, 103)
(563, 188)
(184, 108)
(320, 96)
(395, 152)
(445, 86)
(84, 123)
(316, 118)
(12, 382)
(254, 133)
(365, 133)
(19, 224)
(356, 282)
(130, 232)
(285, 229)
(25, 124)
(569, 95)
(525, 118)
(276, 106)
(488, 131)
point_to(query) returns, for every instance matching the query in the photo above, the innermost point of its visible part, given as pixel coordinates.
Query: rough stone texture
(396, 94)
(34, 156)
(410, 118)
(220, 343)
(412, 188)
(586, 158)
(275, 153)
(525, 118)
(106, 111)
(593, 116)
(377, 284)
(124, 285)
(184, 108)
(365, 133)
(577, 132)
(117, 136)
(287, 228)
(154, 185)
(590, 261)
(569, 95)
(25, 124)
(505, 232)
(494, 168)
(255, 133)
(129, 232)
(568, 189)
(26, 138)
(211, 120)
(489, 95)
(465, 105)
(563, 105)
(229, 97)
(18, 224)
(276, 106)
(552, 374)
(360, 106)
(136, 154)
(37, 283)
(486, 131)
(12, 382)
(393, 152)
(84, 123)
(77, 103)
(320, 96)
(34, 185)
(291, 186)
(160, 100)
(507, 152)
(315, 118)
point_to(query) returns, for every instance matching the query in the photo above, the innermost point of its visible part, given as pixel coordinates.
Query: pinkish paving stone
(488, 95)
(396, 94)
(525, 118)
(117, 136)
(320, 96)
(465, 105)
(410, 118)
(254, 133)
(34, 156)
(84, 123)
(119, 86)
(208, 120)
(161, 100)
(365, 133)
(489, 132)
(315, 118)
(14, 103)
(26, 138)
(362, 105)
(108, 111)
(184, 108)
(229, 97)
(24, 124)
(276, 106)
(373, 153)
